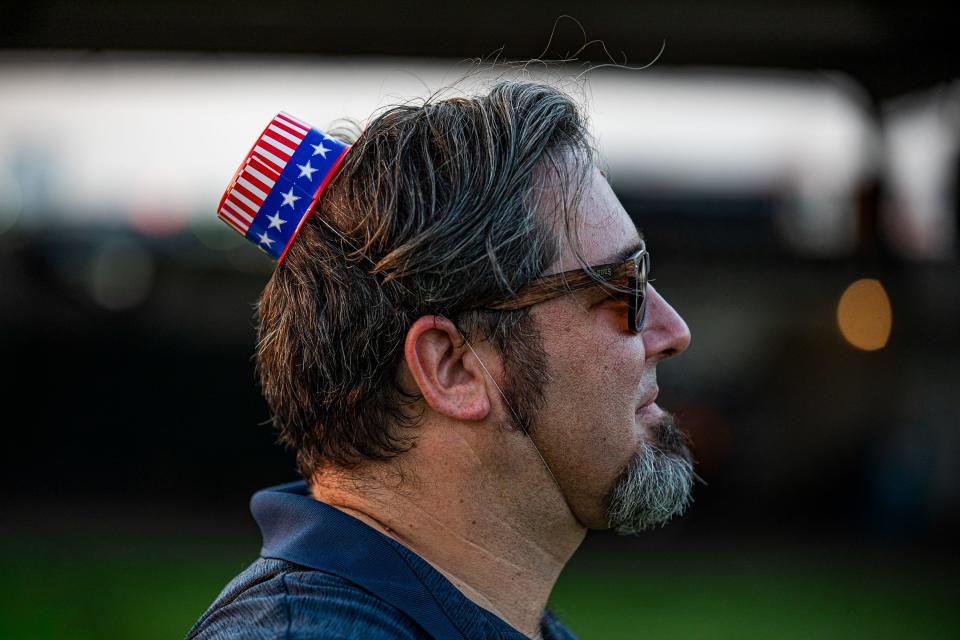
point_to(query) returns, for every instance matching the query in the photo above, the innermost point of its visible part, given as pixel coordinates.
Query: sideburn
(525, 371)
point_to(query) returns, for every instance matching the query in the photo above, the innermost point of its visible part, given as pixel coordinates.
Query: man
(461, 347)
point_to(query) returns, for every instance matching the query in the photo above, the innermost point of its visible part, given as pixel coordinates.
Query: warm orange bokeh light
(864, 315)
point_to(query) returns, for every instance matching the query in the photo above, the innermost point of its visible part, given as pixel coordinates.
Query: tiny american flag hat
(279, 181)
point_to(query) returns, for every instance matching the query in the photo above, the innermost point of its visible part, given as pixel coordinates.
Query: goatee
(655, 485)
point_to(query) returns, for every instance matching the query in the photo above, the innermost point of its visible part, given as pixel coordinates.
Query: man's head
(439, 212)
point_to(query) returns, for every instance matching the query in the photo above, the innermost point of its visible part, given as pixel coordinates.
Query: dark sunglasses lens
(641, 307)
(640, 296)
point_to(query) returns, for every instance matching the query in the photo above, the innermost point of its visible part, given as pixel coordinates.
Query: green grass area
(104, 586)
(737, 596)
(142, 587)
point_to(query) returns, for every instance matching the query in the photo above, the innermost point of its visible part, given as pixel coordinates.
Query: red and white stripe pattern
(260, 170)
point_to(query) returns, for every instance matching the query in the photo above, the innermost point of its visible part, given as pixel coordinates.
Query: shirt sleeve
(312, 604)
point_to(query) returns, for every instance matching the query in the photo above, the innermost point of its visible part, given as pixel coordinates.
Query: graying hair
(437, 209)
(656, 485)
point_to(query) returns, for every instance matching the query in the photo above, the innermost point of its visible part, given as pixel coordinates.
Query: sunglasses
(629, 280)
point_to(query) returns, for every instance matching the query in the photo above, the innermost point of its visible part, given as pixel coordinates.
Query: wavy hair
(439, 208)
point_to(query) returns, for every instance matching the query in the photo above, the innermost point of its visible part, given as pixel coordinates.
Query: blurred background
(794, 167)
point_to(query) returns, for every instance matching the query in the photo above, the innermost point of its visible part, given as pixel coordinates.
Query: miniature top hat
(279, 181)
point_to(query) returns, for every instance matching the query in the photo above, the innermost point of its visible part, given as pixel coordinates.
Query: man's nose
(665, 334)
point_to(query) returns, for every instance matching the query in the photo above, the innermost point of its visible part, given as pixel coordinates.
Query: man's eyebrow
(625, 253)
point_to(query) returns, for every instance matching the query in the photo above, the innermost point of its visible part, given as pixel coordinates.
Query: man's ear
(446, 370)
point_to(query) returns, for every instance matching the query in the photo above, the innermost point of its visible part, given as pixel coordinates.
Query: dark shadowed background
(795, 171)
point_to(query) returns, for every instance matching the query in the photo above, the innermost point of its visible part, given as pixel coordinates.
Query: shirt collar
(302, 530)
(307, 532)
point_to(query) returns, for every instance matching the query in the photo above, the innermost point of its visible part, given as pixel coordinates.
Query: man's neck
(503, 559)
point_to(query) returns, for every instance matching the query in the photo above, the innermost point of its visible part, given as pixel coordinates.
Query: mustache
(670, 438)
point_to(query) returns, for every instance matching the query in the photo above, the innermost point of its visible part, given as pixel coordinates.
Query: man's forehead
(605, 231)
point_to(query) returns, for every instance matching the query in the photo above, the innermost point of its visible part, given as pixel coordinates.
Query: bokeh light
(864, 315)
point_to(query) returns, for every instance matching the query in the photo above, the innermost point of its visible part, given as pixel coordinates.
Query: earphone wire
(516, 417)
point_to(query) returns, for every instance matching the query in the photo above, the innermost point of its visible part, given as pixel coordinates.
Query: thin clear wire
(516, 418)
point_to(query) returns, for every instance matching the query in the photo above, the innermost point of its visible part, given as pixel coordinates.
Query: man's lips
(649, 400)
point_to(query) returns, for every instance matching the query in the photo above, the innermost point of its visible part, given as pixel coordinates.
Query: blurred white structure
(922, 158)
(110, 138)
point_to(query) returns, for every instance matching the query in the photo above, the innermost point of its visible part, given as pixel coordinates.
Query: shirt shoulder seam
(286, 605)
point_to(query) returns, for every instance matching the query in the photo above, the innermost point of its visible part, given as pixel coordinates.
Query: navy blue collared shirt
(324, 574)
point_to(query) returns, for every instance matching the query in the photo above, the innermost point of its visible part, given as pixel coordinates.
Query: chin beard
(655, 485)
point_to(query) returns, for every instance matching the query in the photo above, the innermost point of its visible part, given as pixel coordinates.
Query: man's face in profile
(619, 458)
